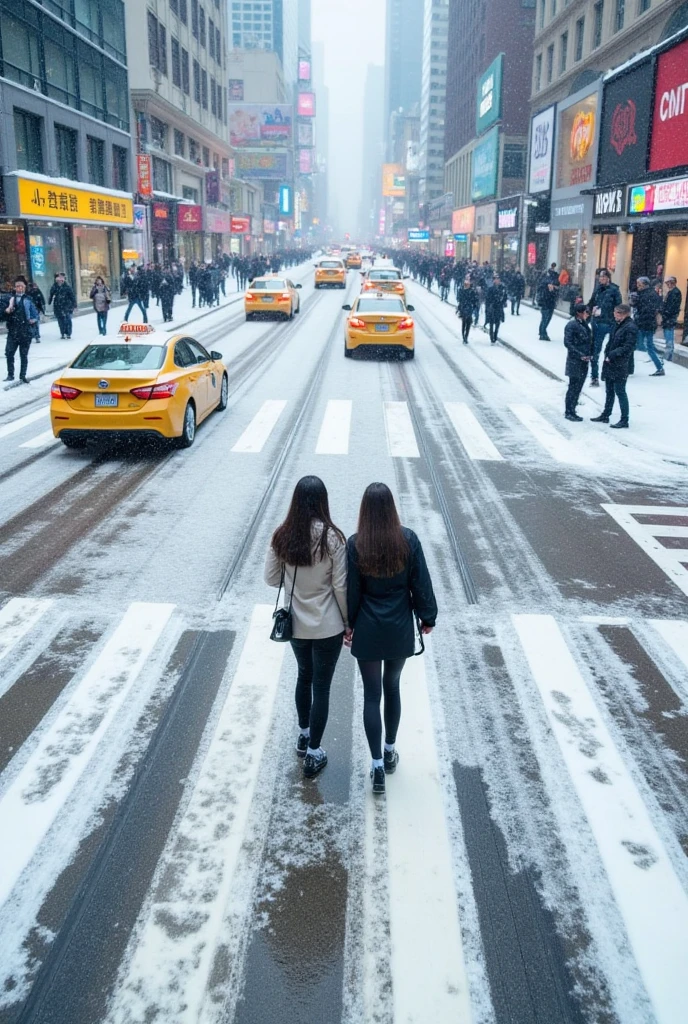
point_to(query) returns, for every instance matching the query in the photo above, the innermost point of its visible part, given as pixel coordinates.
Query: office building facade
(432, 101)
(403, 58)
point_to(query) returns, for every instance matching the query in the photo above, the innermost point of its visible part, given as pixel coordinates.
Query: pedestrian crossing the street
(192, 923)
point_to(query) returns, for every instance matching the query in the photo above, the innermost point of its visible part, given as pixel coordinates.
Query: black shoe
(23, 380)
(599, 419)
(620, 425)
(658, 373)
(594, 383)
(312, 764)
(302, 745)
(9, 378)
(573, 417)
(378, 777)
(391, 758)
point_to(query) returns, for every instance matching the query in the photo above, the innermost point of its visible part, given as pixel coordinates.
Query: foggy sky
(353, 34)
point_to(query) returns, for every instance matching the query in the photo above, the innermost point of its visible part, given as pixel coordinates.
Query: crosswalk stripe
(334, 432)
(675, 633)
(24, 421)
(401, 438)
(261, 426)
(558, 446)
(650, 897)
(29, 806)
(471, 434)
(41, 440)
(428, 970)
(164, 976)
(17, 618)
(645, 535)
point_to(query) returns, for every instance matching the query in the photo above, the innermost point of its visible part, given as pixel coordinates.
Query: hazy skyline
(353, 35)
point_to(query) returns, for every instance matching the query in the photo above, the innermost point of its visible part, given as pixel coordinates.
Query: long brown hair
(292, 542)
(381, 545)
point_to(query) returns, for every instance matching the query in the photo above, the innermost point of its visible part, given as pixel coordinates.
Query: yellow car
(272, 296)
(385, 279)
(142, 384)
(354, 261)
(381, 322)
(330, 273)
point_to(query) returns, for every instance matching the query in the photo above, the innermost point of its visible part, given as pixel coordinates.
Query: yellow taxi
(272, 296)
(379, 322)
(354, 261)
(384, 279)
(143, 383)
(330, 273)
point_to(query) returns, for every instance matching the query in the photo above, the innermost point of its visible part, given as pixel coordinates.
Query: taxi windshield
(267, 286)
(380, 306)
(331, 263)
(385, 275)
(120, 357)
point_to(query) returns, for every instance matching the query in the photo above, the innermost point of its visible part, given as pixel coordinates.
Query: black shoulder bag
(420, 637)
(282, 624)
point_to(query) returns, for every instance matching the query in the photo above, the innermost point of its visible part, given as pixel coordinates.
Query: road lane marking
(15, 425)
(429, 980)
(645, 535)
(471, 434)
(650, 897)
(32, 802)
(261, 426)
(558, 446)
(17, 618)
(40, 440)
(336, 427)
(401, 439)
(167, 971)
(605, 620)
(674, 632)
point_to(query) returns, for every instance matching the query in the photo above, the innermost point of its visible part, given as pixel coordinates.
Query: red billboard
(306, 104)
(189, 218)
(670, 114)
(240, 225)
(145, 177)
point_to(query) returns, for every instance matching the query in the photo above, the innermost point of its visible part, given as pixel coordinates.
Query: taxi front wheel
(188, 434)
(224, 394)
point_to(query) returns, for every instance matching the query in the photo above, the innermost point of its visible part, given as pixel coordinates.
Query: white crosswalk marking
(558, 446)
(32, 802)
(401, 439)
(646, 534)
(675, 633)
(261, 426)
(167, 973)
(336, 426)
(471, 434)
(24, 421)
(41, 440)
(17, 618)
(650, 897)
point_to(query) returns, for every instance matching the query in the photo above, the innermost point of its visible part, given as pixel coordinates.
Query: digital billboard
(304, 133)
(393, 180)
(306, 104)
(486, 166)
(264, 166)
(489, 98)
(286, 204)
(625, 126)
(670, 115)
(576, 132)
(305, 161)
(260, 124)
(304, 71)
(541, 150)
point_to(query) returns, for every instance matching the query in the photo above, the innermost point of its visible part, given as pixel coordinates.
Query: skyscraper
(373, 149)
(432, 102)
(403, 56)
(267, 25)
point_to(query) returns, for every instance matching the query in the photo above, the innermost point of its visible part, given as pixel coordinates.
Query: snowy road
(162, 858)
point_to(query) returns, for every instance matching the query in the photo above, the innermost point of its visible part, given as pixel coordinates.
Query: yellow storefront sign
(44, 200)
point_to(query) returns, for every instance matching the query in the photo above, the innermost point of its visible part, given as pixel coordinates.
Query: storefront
(217, 227)
(463, 228)
(658, 215)
(163, 218)
(66, 228)
(537, 205)
(507, 242)
(484, 243)
(570, 225)
(190, 233)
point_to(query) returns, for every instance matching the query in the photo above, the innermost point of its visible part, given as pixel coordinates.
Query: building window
(219, 101)
(225, 167)
(176, 63)
(554, 8)
(91, 77)
(174, 7)
(120, 168)
(643, 5)
(95, 156)
(66, 141)
(87, 16)
(158, 134)
(116, 96)
(211, 38)
(28, 131)
(60, 71)
(194, 152)
(157, 44)
(201, 26)
(197, 80)
(178, 142)
(580, 35)
(538, 72)
(20, 52)
(541, 15)
(194, 18)
(563, 52)
(190, 194)
(597, 25)
(218, 45)
(213, 99)
(206, 157)
(550, 62)
(162, 175)
(204, 89)
(185, 71)
(182, 12)
(114, 39)
(619, 15)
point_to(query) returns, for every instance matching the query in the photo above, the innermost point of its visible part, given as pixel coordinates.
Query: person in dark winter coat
(495, 301)
(62, 299)
(618, 364)
(547, 301)
(388, 584)
(578, 342)
(648, 305)
(671, 310)
(101, 298)
(467, 302)
(38, 299)
(603, 301)
(167, 290)
(20, 315)
(516, 291)
(135, 287)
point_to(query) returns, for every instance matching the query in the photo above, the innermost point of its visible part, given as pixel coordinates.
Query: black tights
(317, 660)
(466, 322)
(375, 681)
(494, 330)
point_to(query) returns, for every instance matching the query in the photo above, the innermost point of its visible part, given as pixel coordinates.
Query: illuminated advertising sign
(541, 149)
(44, 200)
(240, 225)
(145, 178)
(507, 216)
(235, 93)
(659, 197)
(304, 131)
(285, 201)
(670, 114)
(306, 104)
(489, 99)
(305, 161)
(418, 235)
(393, 180)
(260, 124)
(577, 125)
(485, 166)
(463, 221)
(625, 126)
(304, 71)
(449, 248)
(259, 165)
(189, 218)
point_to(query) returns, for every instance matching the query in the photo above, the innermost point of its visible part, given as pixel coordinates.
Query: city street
(162, 856)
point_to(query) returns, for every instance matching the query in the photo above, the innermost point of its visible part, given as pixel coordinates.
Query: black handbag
(282, 623)
(420, 637)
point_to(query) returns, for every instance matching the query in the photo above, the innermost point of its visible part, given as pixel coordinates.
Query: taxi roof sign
(136, 329)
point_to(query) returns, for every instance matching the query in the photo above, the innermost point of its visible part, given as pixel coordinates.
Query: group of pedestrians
(369, 594)
(21, 310)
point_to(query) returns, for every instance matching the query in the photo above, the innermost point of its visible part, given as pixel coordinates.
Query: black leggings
(466, 322)
(375, 681)
(494, 330)
(317, 660)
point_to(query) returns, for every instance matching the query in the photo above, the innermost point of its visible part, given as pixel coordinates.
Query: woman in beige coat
(312, 551)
